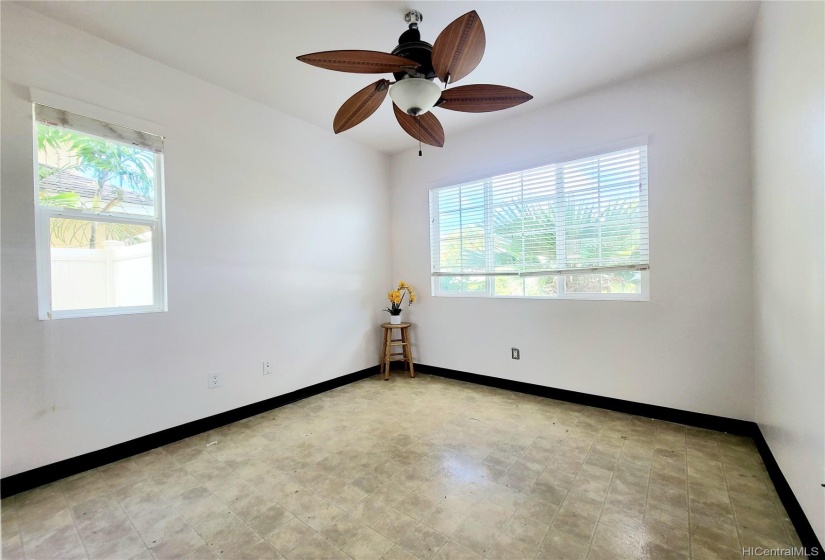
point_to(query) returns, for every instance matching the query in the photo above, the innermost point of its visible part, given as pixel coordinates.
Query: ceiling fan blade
(481, 98)
(359, 62)
(357, 108)
(459, 48)
(425, 128)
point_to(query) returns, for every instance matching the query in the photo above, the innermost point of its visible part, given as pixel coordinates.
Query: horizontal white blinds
(57, 117)
(587, 215)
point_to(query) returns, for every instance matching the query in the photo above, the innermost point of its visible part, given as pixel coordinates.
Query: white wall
(276, 251)
(789, 243)
(691, 345)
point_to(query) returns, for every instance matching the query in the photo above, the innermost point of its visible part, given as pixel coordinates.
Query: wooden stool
(387, 345)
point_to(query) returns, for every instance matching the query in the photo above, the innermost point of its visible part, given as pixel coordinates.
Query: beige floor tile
(260, 550)
(226, 534)
(508, 548)
(285, 538)
(703, 549)
(368, 545)
(324, 514)
(369, 510)
(144, 555)
(197, 504)
(394, 525)
(443, 520)
(674, 540)
(454, 551)
(475, 534)
(62, 543)
(575, 525)
(675, 517)
(178, 544)
(558, 545)
(423, 542)
(315, 548)
(155, 525)
(118, 540)
(622, 519)
(415, 505)
(342, 530)
(621, 542)
(528, 530)
(654, 551)
(398, 553)
(12, 547)
(720, 530)
(33, 530)
(582, 504)
(203, 552)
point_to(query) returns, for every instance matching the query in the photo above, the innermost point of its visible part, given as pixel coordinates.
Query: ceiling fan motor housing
(411, 46)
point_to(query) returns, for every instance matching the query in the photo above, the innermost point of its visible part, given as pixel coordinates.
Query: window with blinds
(570, 229)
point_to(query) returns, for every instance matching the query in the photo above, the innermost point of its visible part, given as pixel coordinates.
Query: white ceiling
(552, 50)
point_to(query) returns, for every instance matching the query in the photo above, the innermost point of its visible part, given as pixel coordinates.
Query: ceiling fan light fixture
(415, 96)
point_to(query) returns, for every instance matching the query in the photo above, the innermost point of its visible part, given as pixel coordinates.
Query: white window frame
(43, 216)
(562, 294)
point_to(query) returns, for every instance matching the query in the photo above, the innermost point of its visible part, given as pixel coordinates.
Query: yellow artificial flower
(397, 296)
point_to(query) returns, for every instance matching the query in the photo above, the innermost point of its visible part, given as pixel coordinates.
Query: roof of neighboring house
(85, 187)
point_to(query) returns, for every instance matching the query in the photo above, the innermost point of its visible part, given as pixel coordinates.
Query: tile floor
(415, 468)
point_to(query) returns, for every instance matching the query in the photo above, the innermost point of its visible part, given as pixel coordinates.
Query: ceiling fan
(415, 64)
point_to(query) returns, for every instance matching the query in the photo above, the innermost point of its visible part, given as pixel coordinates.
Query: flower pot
(395, 319)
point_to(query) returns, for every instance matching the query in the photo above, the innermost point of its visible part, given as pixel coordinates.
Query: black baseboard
(803, 527)
(717, 423)
(697, 419)
(21, 482)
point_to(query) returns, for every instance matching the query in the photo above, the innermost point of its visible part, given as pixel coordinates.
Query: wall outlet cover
(214, 380)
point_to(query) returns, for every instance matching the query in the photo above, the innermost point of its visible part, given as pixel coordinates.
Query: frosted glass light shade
(415, 96)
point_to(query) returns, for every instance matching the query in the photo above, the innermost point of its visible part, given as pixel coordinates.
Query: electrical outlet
(267, 368)
(214, 380)
(515, 354)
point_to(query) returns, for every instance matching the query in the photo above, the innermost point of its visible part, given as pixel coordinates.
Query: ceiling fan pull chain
(419, 135)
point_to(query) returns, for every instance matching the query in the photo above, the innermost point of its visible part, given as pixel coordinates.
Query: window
(99, 200)
(577, 229)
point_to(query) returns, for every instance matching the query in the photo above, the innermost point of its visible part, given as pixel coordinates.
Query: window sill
(105, 312)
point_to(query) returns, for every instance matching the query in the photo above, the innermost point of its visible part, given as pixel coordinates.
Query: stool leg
(383, 349)
(387, 350)
(405, 362)
(409, 352)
